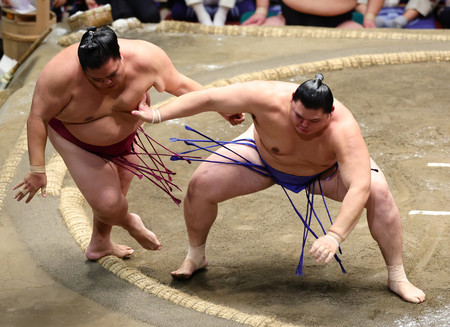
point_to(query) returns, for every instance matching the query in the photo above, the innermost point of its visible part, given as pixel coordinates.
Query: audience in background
(326, 13)
(443, 15)
(413, 10)
(147, 11)
(211, 12)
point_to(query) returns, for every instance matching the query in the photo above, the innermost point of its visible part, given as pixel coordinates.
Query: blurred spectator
(211, 12)
(147, 11)
(57, 6)
(368, 9)
(268, 12)
(413, 10)
(443, 15)
(326, 13)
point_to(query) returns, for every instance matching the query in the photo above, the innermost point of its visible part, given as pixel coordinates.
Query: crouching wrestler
(301, 135)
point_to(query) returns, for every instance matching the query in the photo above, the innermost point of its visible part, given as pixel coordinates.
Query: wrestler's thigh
(95, 177)
(125, 175)
(335, 189)
(221, 181)
(332, 187)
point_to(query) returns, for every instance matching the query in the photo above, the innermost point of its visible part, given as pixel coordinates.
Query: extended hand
(324, 248)
(30, 185)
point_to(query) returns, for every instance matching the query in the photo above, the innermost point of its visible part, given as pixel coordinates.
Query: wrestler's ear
(332, 111)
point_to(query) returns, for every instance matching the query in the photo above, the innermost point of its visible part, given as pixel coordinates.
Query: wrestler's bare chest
(102, 118)
(293, 155)
(87, 103)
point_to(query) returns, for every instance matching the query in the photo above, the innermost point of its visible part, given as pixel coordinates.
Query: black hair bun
(319, 76)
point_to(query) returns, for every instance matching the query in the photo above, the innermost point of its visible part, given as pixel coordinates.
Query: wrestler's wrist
(37, 169)
(156, 119)
(336, 236)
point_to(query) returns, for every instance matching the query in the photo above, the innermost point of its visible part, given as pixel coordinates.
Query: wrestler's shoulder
(62, 68)
(142, 54)
(134, 46)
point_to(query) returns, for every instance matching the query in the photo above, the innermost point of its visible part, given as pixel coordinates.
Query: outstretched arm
(173, 82)
(229, 101)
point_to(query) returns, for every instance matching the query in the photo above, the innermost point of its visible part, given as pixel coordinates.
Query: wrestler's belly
(294, 165)
(104, 131)
(301, 169)
(323, 7)
(306, 160)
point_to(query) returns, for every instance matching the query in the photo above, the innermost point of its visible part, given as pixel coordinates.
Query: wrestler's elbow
(363, 190)
(360, 191)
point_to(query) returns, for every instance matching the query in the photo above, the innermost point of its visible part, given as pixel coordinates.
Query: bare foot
(407, 291)
(187, 269)
(97, 251)
(146, 238)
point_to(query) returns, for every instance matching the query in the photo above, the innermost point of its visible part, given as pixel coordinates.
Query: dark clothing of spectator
(294, 17)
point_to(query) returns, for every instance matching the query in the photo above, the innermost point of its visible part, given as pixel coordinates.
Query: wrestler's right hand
(324, 248)
(30, 185)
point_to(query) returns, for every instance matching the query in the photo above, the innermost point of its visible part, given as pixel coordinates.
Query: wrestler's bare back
(102, 116)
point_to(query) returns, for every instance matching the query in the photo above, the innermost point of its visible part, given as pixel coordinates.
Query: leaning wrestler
(298, 131)
(82, 102)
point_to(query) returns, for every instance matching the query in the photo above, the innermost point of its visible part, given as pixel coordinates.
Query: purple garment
(151, 164)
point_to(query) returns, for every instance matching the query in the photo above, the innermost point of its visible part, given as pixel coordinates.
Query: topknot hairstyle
(314, 94)
(97, 46)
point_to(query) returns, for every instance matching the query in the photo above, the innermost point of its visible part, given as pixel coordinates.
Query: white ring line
(429, 213)
(438, 164)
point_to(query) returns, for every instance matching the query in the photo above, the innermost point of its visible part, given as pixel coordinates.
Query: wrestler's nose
(108, 82)
(304, 123)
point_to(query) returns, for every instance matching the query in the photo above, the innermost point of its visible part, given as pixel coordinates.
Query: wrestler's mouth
(303, 130)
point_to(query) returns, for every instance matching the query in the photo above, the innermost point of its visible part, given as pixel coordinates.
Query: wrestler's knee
(380, 192)
(202, 185)
(110, 204)
(381, 204)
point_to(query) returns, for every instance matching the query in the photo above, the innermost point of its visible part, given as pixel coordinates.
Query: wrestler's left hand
(323, 249)
(30, 185)
(234, 119)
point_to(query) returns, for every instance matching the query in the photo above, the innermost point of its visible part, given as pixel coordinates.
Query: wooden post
(42, 15)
